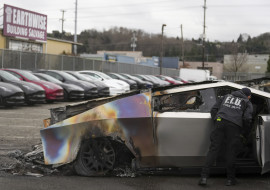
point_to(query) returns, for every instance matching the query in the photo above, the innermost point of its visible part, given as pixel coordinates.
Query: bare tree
(237, 61)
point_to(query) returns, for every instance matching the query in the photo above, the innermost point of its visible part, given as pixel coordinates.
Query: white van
(195, 75)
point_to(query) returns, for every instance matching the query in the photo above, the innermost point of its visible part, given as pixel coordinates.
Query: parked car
(33, 93)
(10, 95)
(141, 84)
(144, 78)
(162, 82)
(71, 91)
(103, 89)
(169, 79)
(155, 129)
(107, 77)
(180, 79)
(53, 92)
(90, 90)
(133, 84)
(115, 86)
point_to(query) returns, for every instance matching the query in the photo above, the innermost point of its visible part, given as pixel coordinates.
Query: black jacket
(234, 107)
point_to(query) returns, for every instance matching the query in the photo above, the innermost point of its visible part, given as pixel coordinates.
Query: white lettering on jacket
(231, 102)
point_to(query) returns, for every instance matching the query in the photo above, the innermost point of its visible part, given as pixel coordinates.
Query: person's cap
(246, 91)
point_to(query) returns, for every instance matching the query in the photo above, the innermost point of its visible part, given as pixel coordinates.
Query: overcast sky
(225, 19)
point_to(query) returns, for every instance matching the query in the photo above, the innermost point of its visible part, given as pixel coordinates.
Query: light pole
(161, 53)
(75, 33)
(182, 38)
(203, 44)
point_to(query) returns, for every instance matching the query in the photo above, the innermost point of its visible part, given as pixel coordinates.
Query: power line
(156, 3)
(135, 13)
(126, 5)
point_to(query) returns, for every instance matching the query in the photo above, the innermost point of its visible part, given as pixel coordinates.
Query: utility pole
(133, 41)
(182, 38)
(161, 53)
(62, 19)
(203, 37)
(75, 33)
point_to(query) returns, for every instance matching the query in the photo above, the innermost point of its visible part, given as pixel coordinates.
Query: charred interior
(186, 101)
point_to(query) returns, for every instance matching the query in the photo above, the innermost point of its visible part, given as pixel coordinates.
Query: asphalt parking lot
(20, 128)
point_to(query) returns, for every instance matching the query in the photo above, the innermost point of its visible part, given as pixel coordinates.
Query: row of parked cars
(20, 86)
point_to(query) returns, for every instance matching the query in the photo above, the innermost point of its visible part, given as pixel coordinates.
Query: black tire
(96, 157)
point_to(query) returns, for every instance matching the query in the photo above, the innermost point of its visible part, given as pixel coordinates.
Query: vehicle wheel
(96, 157)
(49, 101)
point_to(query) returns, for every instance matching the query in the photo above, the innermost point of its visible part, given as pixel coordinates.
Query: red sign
(23, 23)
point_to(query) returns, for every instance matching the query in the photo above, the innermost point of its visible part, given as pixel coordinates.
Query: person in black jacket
(230, 113)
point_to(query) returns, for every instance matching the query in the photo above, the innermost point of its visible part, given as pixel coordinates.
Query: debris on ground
(31, 163)
(123, 172)
(17, 162)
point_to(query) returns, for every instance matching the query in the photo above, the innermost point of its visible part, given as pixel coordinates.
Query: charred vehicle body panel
(164, 128)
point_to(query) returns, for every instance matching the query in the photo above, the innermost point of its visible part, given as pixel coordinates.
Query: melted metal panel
(128, 119)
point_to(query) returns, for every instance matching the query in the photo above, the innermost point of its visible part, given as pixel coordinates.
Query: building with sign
(25, 30)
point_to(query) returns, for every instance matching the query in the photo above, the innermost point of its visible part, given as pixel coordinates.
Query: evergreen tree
(240, 39)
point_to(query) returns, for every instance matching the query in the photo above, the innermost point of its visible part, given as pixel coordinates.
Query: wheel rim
(98, 156)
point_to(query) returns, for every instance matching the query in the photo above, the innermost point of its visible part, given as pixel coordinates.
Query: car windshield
(94, 75)
(7, 76)
(154, 77)
(120, 76)
(28, 75)
(125, 76)
(104, 76)
(170, 78)
(49, 78)
(138, 76)
(68, 76)
(90, 77)
(80, 76)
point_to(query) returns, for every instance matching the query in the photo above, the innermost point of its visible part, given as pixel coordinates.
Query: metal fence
(33, 61)
(230, 76)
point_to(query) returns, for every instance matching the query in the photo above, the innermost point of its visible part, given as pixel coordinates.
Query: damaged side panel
(189, 131)
(128, 119)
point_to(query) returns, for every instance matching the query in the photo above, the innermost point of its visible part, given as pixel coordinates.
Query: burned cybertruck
(165, 128)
